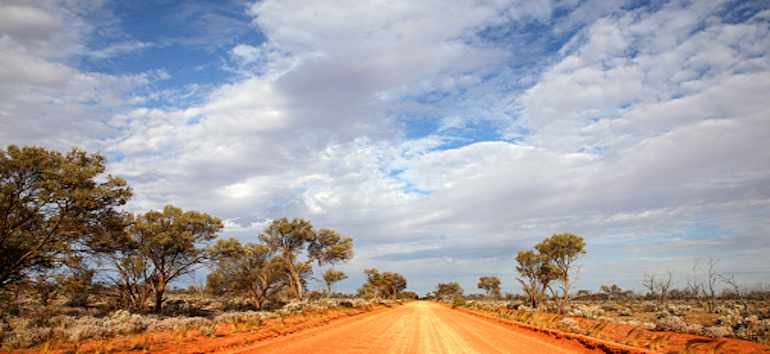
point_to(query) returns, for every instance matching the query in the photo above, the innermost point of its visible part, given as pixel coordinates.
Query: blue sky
(443, 136)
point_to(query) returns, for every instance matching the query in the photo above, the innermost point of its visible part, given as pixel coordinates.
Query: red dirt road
(418, 327)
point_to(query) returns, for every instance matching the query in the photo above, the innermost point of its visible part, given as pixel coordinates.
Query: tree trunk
(158, 299)
(566, 294)
(255, 303)
(298, 284)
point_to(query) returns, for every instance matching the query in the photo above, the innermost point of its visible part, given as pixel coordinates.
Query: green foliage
(169, 240)
(53, 206)
(491, 285)
(449, 290)
(562, 250)
(612, 291)
(408, 295)
(250, 270)
(536, 274)
(332, 277)
(132, 279)
(458, 302)
(385, 285)
(301, 245)
(315, 295)
(159, 247)
(552, 260)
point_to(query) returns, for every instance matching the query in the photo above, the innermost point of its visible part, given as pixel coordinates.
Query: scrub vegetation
(75, 267)
(709, 305)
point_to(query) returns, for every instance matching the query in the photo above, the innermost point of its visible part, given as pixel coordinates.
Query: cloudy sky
(444, 136)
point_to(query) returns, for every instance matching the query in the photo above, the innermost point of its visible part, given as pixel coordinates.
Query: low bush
(30, 329)
(569, 324)
(458, 302)
(718, 331)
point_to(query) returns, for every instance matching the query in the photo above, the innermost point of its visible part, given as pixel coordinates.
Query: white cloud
(378, 119)
(28, 23)
(43, 95)
(618, 144)
(22, 69)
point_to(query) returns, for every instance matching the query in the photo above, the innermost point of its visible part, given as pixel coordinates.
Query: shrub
(458, 302)
(27, 338)
(243, 317)
(671, 323)
(648, 306)
(187, 323)
(626, 312)
(585, 311)
(161, 326)
(633, 323)
(129, 328)
(86, 321)
(694, 328)
(676, 324)
(717, 331)
(294, 307)
(83, 332)
(570, 324)
(116, 318)
(62, 321)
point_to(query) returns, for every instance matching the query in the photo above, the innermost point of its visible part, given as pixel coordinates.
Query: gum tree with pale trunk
(562, 250)
(301, 245)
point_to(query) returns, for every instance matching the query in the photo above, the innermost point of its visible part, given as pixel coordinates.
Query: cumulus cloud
(43, 92)
(442, 136)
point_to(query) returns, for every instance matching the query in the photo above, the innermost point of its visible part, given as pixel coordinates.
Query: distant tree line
(548, 271)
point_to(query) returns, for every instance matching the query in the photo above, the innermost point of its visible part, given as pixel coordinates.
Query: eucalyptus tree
(535, 275)
(54, 207)
(491, 285)
(301, 245)
(250, 270)
(449, 290)
(385, 284)
(169, 244)
(561, 251)
(330, 278)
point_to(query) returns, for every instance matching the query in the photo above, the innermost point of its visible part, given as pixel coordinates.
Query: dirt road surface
(418, 327)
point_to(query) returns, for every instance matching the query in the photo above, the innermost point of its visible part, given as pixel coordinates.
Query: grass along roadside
(637, 337)
(185, 334)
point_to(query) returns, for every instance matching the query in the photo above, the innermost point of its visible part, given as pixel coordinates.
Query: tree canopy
(491, 285)
(330, 278)
(550, 261)
(53, 206)
(169, 241)
(562, 250)
(536, 274)
(448, 290)
(385, 284)
(250, 270)
(301, 245)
